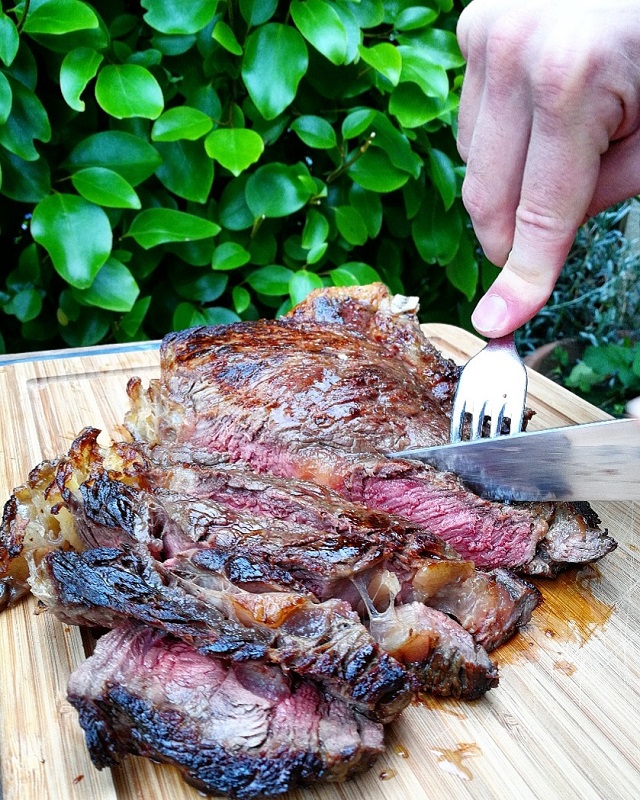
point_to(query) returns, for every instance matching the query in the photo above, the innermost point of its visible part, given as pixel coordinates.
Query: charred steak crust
(325, 642)
(146, 693)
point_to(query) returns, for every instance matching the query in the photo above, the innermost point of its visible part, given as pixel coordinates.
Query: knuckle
(540, 223)
(505, 44)
(562, 74)
(474, 197)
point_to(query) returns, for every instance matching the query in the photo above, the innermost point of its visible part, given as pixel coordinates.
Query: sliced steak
(323, 641)
(296, 536)
(245, 730)
(321, 396)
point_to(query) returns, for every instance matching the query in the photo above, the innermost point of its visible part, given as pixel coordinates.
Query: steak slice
(323, 641)
(245, 730)
(232, 555)
(278, 535)
(321, 396)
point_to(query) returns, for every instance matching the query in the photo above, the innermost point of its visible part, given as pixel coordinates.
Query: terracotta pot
(543, 361)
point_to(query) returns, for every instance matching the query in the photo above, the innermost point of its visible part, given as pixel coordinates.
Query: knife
(596, 461)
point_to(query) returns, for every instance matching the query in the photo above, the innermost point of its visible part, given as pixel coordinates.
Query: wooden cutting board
(564, 722)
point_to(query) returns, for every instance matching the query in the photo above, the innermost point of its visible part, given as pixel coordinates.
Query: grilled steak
(277, 586)
(247, 730)
(284, 552)
(321, 396)
(323, 641)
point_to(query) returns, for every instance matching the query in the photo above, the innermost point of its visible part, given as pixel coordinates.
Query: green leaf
(25, 305)
(128, 155)
(25, 181)
(24, 67)
(415, 17)
(59, 16)
(582, 377)
(216, 315)
(78, 68)
(257, 12)
(374, 171)
(272, 281)
(315, 231)
(371, 13)
(28, 271)
(301, 283)
(182, 122)
(104, 187)
(75, 233)
(229, 255)
(462, 271)
(436, 232)
(186, 170)
(9, 40)
(351, 225)
(412, 107)
(159, 225)
(275, 60)
(114, 288)
(234, 148)
(225, 36)
(354, 273)
(176, 16)
(396, 145)
(131, 322)
(369, 206)
(234, 213)
(385, 59)
(91, 326)
(241, 299)
(145, 58)
(322, 27)
(418, 68)
(129, 90)
(443, 174)
(437, 47)
(173, 45)
(27, 122)
(6, 98)
(358, 122)
(201, 287)
(315, 132)
(277, 190)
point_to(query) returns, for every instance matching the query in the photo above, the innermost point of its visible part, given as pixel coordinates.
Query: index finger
(559, 180)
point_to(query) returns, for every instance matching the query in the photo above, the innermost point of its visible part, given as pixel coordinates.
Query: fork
(492, 384)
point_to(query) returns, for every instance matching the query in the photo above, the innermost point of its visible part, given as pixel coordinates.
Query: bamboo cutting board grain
(564, 722)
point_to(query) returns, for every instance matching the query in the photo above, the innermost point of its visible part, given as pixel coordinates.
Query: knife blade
(595, 461)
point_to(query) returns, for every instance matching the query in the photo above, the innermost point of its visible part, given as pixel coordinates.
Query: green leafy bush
(172, 163)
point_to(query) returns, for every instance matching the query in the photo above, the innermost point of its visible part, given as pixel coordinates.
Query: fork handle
(502, 342)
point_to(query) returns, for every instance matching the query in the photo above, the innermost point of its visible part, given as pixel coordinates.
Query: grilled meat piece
(323, 641)
(247, 730)
(321, 396)
(283, 535)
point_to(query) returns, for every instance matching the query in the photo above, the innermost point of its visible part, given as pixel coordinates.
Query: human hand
(549, 126)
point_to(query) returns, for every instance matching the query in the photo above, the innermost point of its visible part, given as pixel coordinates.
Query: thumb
(517, 294)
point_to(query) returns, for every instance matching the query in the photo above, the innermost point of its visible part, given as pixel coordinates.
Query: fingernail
(490, 314)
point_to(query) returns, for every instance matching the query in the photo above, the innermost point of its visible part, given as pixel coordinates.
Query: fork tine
(514, 409)
(457, 418)
(477, 422)
(496, 422)
(492, 384)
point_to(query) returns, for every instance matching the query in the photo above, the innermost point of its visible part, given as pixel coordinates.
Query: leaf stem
(352, 158)
(23, 17)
